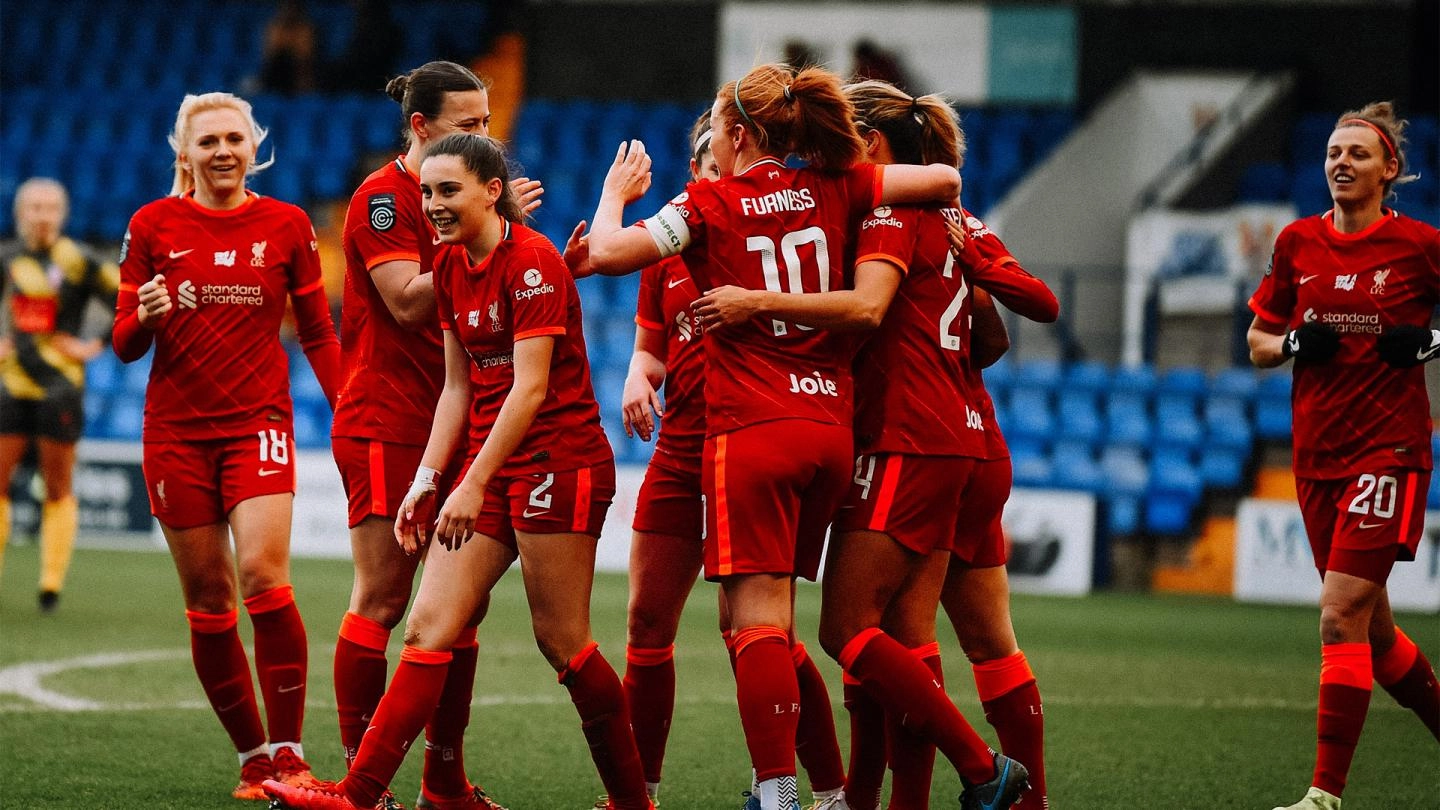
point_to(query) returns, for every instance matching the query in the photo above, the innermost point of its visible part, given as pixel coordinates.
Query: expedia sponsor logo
(879, 221)
(248, 295)
(526, 295)
(1352, 322)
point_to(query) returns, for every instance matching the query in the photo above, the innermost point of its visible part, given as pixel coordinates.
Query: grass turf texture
(1151, 702)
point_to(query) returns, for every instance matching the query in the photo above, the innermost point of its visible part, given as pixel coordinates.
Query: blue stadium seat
(126, 417)
(1272, 405)
(1176, 422)
(1075, 468)
(1030, 415)
(103, 373)
(1139, 379)
(1234, 381)
(136, 375)
(1125, 478)
(1174, 490)
(1079, 415)
(97, 414)
(1086, 375)
(998, 378)
(1039, 374)
(1127, 420)
(1031, 469)
(1222, 467)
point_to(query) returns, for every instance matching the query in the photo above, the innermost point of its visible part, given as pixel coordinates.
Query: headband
(741, 107)
(702, 142)
(1378, 131)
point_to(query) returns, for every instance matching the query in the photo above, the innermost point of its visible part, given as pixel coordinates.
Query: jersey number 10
(792, 281)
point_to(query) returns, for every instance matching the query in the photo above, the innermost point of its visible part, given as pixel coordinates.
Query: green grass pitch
(1151, 702)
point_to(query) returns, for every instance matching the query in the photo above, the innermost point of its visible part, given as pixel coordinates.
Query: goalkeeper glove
(1311, 342)
(1405, 345)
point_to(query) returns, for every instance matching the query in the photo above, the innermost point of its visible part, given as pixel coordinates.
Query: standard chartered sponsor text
(1352, 322)
(249, 295)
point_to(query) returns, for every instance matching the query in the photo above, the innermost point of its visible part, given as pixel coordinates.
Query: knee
(424, 632)
(385, 608)
(833, 638)
(213, 595)
(648, 629)
(1341, 622)
(559, 644)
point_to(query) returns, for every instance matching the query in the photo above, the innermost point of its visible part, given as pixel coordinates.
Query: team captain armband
(669, 230)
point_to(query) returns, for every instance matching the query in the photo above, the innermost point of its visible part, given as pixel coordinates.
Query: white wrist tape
(423, 484)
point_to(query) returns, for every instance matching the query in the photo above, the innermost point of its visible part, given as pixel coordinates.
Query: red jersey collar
(250, 197)
(405, 170)
(1386, 214)
(479, 267)
(762, 162)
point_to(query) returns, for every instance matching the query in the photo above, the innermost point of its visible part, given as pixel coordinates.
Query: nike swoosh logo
(283, 689)
(676, 283)
(1294, 340)
(264, 473)
(1365, 525)
(435, 240)
(175, 254)
(1425, 354)
(1304, 279)
(527, 513)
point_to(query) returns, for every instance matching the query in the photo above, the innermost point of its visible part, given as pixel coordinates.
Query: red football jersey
(522, 290)
(1356, 413)
(219, 370)
(1000, 274)
(392, 374)
(910, 377)
(995, 446)
(772, 228)
(666, 292)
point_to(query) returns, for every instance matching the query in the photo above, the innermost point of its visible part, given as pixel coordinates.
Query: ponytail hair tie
(789, 96)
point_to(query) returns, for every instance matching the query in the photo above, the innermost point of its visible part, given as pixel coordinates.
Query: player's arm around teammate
(394, 362)
(1362, 421)
(538, 480)
(205, 276)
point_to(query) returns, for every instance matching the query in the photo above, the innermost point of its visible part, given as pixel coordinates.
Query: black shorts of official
(59, 416)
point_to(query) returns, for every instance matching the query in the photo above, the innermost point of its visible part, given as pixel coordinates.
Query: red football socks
(281, 660)
(1012, 706)
(600, 700)
(907, 688)
(445, 733)
(912, 758)
(1408, 676)
(225, 676)
(815, 743)
(769, 696)
(360, 669)
(650, 694)
(1345, 676)
(866, 775)
(407, 705)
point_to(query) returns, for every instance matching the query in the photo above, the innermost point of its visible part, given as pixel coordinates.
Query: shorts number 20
(1377, 496)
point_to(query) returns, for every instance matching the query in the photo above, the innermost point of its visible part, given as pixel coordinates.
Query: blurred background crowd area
(1138, 156)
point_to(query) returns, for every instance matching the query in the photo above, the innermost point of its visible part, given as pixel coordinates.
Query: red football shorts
(567, 502)
(670, 503)
(771, 491)
(979, 537)
(912, 498)
(197, 483)
(1362, 525)
(376, 475)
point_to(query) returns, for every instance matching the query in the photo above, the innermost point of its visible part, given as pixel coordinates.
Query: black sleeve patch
(382, 211)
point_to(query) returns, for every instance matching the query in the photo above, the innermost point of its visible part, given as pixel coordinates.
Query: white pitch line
(24, 681)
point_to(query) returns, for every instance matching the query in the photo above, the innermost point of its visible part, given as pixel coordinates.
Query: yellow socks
(59, 520)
